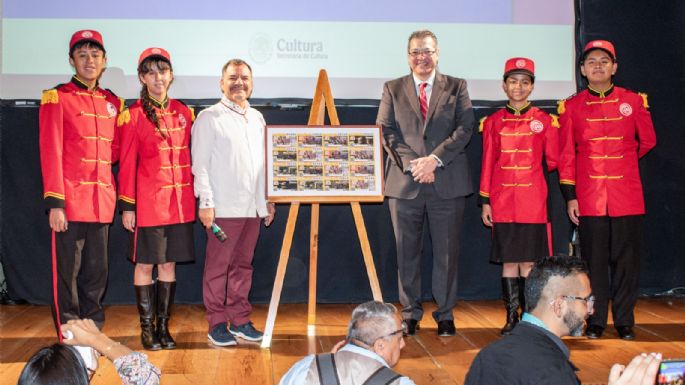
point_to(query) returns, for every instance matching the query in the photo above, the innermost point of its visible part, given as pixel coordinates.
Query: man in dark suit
(427, 122)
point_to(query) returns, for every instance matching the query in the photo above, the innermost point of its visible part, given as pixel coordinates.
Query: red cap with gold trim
(86, 35)
(519, 65)
(604, 45)
(154, 51)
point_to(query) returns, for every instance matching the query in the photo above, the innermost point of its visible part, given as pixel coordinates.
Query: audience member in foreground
(559, 299)
(372, 347)
(62, 363)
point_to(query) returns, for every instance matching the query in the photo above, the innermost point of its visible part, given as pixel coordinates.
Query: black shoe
(410, 326)
(625, 332)
(593, 332)
(446, 328)
(5, 299)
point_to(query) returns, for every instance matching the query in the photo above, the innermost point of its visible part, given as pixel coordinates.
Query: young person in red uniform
(605, 129)
(513, 187)
(78, 144)
(156, 193)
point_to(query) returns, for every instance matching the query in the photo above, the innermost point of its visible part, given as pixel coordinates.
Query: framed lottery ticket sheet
(334, 164)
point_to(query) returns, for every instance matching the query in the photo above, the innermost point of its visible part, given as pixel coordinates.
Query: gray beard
(574, 324)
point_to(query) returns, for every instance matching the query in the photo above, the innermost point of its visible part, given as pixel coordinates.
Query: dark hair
(422, 34)
(611, 56)
(144, 67)
(235, 62)
(86, 44)
(555, 266)
(506, 76)
(55, 365)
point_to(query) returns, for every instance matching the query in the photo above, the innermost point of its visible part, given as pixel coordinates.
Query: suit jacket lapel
(436, 95)
(410, 90)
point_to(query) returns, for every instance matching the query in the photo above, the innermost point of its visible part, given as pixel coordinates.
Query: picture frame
(335, 164)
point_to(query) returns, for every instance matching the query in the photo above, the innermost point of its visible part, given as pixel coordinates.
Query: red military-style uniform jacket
(78, 144)
(155, 177)
(602, 136)
(512, 177)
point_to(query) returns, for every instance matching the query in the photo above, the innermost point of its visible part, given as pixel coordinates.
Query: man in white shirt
(373, 346)
(228, 164)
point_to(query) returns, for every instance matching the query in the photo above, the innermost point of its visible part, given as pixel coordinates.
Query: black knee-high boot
(145, 297)
(522, 294)
(165, 298)
(510, 295)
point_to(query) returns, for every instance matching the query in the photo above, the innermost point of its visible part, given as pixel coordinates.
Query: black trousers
(445, 219)
(611, 247)
(79, 273)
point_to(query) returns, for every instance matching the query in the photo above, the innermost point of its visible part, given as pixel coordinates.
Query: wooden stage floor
(427, 358)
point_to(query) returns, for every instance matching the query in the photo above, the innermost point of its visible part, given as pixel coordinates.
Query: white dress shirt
(298, 372)
(429, 86)
(429, 90)
(227, 146)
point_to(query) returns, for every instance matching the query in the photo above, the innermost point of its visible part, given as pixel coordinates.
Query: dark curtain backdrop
(341, 278)
(650, 43)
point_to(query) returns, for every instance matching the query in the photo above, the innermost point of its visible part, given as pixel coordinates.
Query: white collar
(430, 80)
(234, 107)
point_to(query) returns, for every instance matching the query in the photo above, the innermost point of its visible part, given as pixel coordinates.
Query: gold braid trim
(49, 97)
(555, 121)
(482, 123)
(561, 106)
(192, 114)
(644, 99)
(124, 117)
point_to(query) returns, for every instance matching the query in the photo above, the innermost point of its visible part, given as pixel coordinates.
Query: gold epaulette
(49, 97)
(192, 114)
(561, 107)
(644, 99)
(555, 121)
(124, 117)
(122, 105)
(482, 123)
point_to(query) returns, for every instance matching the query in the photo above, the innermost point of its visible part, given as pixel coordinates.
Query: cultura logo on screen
(262, 49)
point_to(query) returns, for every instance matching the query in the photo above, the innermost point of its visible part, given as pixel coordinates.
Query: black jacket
(530, 355)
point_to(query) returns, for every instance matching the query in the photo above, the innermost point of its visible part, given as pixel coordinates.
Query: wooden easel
(323, 98)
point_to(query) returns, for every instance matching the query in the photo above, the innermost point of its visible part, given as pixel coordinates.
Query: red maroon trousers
(227, 277)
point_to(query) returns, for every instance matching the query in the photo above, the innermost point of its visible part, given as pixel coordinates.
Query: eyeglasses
(421, 52)
(403, 330)
(589, 300)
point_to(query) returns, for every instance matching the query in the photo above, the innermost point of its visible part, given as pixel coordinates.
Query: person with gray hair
(372, 347)
(227, 149)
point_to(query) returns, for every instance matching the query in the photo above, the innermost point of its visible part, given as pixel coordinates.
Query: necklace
(235, 108)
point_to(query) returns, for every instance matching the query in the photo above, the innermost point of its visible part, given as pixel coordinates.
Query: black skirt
(519, 242)
(162, 244)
